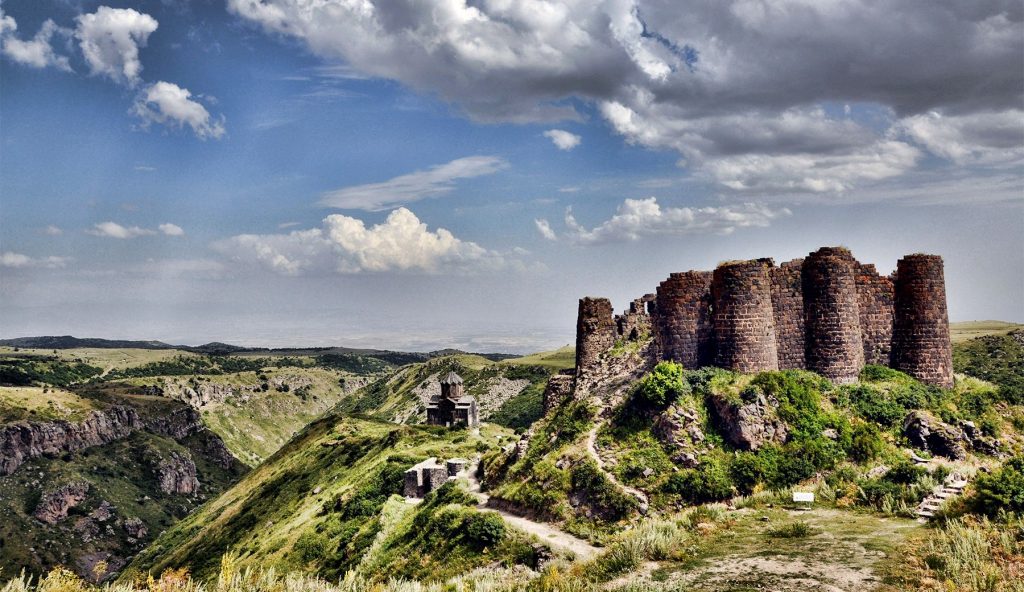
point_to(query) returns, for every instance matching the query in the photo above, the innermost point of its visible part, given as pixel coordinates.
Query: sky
(420, 174)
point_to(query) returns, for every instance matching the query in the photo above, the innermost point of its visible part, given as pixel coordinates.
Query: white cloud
(402, 243)
(114, 230)
(19, 261)
(562, 139)
(171, 229)
(987, 138)
(639, 218)
(52, 230)
(737, 87)
(110, 39)
(37, 52)
(435, 181)
(168, 103)
(544, 227)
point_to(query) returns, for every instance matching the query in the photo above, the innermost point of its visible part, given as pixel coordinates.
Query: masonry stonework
(788, 307)
(921, 345)
(875, 302)
(682, 319)
(595, 331)
(742, 316)
(835, 348)
(828, 313)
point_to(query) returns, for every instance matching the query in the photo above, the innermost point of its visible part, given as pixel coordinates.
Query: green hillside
(320, 502)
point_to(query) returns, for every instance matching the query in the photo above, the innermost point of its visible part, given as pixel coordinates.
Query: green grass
(966, 330)
(560, 359)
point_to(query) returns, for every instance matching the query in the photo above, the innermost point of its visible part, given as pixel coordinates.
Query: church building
(453, 407)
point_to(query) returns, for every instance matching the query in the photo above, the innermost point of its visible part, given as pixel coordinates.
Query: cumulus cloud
(14, 260)
(52, 230)
(346, 245)
(740, 81)
(639, 218)
(544, 228)
(110, 39)
(171, 229)
(404, 189)
(980, 138)
(169, 104)
(115, 230)
(562, 139)
(36, 52)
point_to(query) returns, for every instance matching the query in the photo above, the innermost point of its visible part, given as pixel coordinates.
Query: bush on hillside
(707, 483)
(1003, 489)
(662, 386)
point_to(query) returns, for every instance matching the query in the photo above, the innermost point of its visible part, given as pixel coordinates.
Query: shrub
(484, 529)
(794, 530)
(866, 443)
(662, 386)
(707, 483)
(1003, 489)
(873, 404)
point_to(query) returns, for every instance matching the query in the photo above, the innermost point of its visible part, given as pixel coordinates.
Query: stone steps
(931, 504)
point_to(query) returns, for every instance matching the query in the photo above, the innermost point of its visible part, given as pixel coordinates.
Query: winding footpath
(547, 533)
(592, 451)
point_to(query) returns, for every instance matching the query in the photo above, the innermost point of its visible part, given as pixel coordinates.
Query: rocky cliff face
(177, 474)
(22, 441)
(54, 505)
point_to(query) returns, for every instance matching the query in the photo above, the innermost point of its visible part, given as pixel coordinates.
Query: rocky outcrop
(678, 427)
(927, 432)
(177, 475)
(23, 441)
(135, 529)
(751, 422)
(178, 424)
(53, 506)
(198, 395)
(977, 440)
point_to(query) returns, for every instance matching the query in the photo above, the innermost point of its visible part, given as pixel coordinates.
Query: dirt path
(547, 533)
(592, 450)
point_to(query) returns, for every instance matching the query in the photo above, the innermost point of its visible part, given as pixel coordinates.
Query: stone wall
(831, 315)
(827, 313)
(742, 316)
(788, 308)
(921, 345)
(595, 331)
(683, 328)
(875, 303)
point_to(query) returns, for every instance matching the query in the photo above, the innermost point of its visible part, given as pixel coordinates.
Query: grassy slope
(293, 511)
(964, 331)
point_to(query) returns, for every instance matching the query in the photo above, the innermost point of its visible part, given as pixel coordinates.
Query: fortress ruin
(827, 313)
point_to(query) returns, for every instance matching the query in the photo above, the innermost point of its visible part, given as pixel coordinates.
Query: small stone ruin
(430, 474)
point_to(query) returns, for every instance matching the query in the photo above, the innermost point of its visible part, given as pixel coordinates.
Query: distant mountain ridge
(219, 348)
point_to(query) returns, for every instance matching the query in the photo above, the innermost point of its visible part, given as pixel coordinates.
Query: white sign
(803, 496)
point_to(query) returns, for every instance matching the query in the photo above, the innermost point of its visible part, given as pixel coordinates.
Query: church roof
(451, 378)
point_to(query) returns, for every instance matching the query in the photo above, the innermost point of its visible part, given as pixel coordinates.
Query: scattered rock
(102, 513)
(54, 505)
(135, 528)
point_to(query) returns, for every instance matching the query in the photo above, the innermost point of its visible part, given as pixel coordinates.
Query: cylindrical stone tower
(831, 315)
(595, 331)
(743, 318)
(682, 319)
(921, 345)
(788, 306)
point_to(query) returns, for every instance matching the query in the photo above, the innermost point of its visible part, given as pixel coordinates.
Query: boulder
(927, 432)
(750, 425)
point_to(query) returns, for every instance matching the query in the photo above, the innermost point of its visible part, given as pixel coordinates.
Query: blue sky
(399, 175)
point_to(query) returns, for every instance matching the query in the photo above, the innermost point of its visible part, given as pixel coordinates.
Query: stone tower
(831, 316)
(742, 315)
(682, 327)
(921, 345)
(595, 331)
